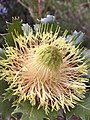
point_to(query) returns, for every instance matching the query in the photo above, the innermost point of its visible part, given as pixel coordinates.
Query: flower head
(45, 69)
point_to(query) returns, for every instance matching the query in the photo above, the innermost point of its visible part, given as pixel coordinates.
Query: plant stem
(40, 8)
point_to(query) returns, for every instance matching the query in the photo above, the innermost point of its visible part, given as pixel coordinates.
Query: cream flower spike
(45, 69)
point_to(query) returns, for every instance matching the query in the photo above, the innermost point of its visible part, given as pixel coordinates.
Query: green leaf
(29, 112)
(53, 115)
(32, 113)
(12, 28)
(8, 39)
(3, 86)
(2, 54)
(5, 109)
(82, 109)
(15, 25)
(8, 95)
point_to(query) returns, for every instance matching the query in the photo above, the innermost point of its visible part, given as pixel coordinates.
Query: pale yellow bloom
(45, 69)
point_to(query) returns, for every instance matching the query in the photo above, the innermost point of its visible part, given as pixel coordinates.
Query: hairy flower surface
(45, 69)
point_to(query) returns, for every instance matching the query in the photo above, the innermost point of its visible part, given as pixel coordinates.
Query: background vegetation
(71, 14)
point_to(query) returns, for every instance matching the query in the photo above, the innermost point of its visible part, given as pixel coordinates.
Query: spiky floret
(45, 69)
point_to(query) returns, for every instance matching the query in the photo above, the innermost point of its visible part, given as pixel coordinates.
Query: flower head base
(45, 69)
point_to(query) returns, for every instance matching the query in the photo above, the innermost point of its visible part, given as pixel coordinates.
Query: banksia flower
(45, 69)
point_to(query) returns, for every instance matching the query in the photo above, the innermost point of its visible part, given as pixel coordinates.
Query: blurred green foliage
(71, 14)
